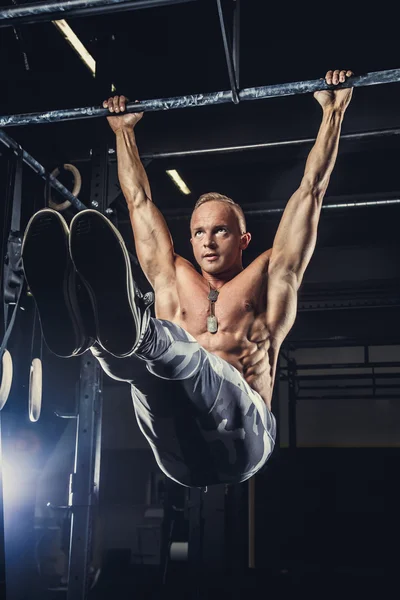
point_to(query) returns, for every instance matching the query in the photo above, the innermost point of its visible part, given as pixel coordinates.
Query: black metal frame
(361, 135)
(88, 451)
(290, 374)
(85, 480)
(196, 100)
(231, 48)
(36, 12)
(40, 170)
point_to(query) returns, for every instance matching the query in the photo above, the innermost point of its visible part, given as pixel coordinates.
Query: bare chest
(237, 314)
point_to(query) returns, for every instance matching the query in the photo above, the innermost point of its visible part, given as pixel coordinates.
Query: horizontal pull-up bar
(255, 93)
(361, 135)
(66, 9)
(40, 170)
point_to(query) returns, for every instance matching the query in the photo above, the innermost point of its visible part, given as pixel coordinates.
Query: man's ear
(245, 240)
(191, 241)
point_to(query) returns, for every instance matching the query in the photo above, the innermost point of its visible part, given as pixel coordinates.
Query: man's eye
(198, 233)
(222, 229)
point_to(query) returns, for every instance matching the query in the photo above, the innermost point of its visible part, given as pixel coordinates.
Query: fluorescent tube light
(76, 44)
(79, 48)
(177, 179)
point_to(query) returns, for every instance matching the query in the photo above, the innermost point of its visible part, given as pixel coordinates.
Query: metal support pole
(85, 481)
(40, 170)
(90, 405)
(228, 48)
(236, 42)
(349, 365)
(66, 9)
(356, 136)
(195, 100)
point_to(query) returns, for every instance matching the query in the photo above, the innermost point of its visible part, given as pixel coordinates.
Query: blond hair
(214, 196)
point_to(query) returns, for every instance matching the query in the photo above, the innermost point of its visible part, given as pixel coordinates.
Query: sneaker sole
(47, 268)
(99, 254)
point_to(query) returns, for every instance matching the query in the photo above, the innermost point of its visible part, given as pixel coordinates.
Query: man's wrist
(124, 129)
(333, 113)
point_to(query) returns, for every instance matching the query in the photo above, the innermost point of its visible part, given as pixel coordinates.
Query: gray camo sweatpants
(204, 423)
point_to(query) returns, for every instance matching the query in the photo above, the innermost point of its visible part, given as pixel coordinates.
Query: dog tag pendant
(212, 324)
(213, 295)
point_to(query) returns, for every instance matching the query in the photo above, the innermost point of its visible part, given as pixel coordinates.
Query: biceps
(153, 242)
(281, 305)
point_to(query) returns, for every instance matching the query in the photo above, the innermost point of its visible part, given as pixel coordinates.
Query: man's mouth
(211, 256)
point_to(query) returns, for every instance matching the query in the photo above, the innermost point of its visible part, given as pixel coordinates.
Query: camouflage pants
(204, 423)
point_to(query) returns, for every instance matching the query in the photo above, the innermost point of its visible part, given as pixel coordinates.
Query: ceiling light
(79, 48)
(177, 179)
(76, 44)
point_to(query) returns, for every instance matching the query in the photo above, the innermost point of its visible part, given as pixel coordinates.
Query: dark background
(329, 511)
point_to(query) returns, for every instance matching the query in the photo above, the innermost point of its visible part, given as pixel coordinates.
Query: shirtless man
(216, 334)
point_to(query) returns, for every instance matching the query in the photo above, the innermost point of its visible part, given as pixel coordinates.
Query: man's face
(216, 238)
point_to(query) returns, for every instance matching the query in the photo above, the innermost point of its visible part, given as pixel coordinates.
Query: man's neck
(217, 280)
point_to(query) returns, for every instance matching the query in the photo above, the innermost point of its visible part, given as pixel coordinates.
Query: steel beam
(88, 453)
(196, 100)
(85, 484)
(339, 387)
(236, 42)
(228, 48)
(67, 9)
(342, 376)
(350, 365)
(356, 136)
(351, 397)
(40, 170)
(170, 216)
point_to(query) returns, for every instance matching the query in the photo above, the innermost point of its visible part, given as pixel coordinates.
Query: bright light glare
(177, 179)
(76, 44)
(14, 474)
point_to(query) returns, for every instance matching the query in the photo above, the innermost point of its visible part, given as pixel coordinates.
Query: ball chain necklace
(212, 321)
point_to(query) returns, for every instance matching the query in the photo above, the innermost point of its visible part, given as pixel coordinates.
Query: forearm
(322, 158)
(131, 173)
(296, 236)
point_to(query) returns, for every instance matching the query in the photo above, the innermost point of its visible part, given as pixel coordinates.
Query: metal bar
(351, 397)
(262, 145)
(360, 365)
(84, 546)
(349, 376)
(347, 304)
(196, 100)
(67, 9)
(40, 170)
(84, 490)
(395, 386)
(236, 42)
(171, 216)
(228, 48)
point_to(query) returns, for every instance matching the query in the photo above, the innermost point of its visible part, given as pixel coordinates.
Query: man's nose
(209, 241)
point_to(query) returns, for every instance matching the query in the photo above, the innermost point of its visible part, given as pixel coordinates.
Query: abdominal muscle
(249, 358)
(250, 354)
(242, 339)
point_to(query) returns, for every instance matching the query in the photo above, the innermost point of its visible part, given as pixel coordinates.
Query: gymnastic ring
(35, 390)
(75, 191)
(6, 378)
